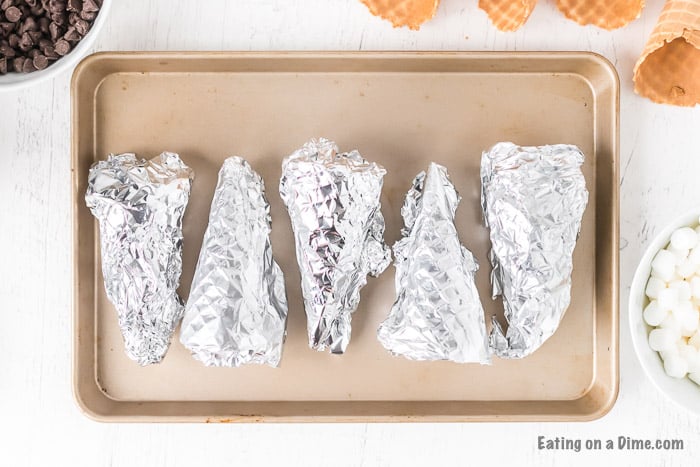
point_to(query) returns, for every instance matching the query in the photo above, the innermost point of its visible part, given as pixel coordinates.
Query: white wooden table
(41, 425)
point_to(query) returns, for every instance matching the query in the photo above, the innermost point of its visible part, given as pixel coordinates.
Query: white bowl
(13, 81)
(682, 391)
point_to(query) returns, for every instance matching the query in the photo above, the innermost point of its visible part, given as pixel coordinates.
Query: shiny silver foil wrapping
(139, 205)
(333, 203)
(437, 314)
(237, 309)
(533, 199)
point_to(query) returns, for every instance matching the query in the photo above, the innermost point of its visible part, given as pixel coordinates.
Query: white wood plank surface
(39, 422)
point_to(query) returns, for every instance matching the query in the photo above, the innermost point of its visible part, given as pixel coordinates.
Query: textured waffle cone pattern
(411, 13)
(606, 14)
(508, 15)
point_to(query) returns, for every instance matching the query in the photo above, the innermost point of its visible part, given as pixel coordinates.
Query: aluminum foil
(533, 199)
(437, 314)
(139, 205)
(237, 309)
(333, 203)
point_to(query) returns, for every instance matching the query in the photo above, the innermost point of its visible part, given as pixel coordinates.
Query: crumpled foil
(139, 205)
(333, 203)
(237, 309)
(533, 199)
(437, 314)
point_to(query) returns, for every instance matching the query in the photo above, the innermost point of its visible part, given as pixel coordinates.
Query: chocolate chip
(5, 4)
(13, 14)
(82, 27)
(56, 6)
(72, 35)
(28, 66)
(62, 47)
(32, 53)
(29, 24)
(13, 39)
(17, 63)
(58, 18)
(25, 42)
(75, 5)
(55, 31)
(6, 50)
(90, 6)
(3, 66)
(44, 24)
(6, 28)
(50, 52)
(37, 10)
(32, 3)
(40, 62)
(88, 15)
(35, 35)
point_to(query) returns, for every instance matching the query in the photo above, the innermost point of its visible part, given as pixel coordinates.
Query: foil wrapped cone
(139, 205)
(437, 314)
(333, 203)
(237, 309)
(533, 199)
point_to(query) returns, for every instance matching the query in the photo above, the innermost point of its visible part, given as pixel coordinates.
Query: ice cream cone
(508, 15)
(606, 14)
(669, 69)
(411, 13)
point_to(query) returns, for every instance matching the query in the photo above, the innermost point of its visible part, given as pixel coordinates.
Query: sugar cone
(669, 69)
(606, 14)
(508, 15)
(411, 13)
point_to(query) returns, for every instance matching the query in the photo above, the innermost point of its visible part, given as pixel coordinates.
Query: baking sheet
(401, 110)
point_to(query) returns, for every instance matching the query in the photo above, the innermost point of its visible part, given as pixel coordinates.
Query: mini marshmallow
(683, 288)
(667, 299)
(690, 355)
(663, 265)
(684, 238)
(695, 340)
(671, 323)
(686, 269)
(662, 339)
(676, 367)
(678, 255)
(655, 285)
(688, 318)
(695, 287)
(694, 255)
(683, 309)
(695, 378)
(666, 354)
(653, 314)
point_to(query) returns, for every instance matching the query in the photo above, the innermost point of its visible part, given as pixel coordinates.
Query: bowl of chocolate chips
(40, 39)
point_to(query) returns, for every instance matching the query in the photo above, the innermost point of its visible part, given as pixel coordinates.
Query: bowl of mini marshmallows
(664, 311)
(41, 38)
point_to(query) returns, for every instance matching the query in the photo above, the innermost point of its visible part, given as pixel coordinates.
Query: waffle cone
(411, 13)
(606, 14)
(669, 69)
(508, 15)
